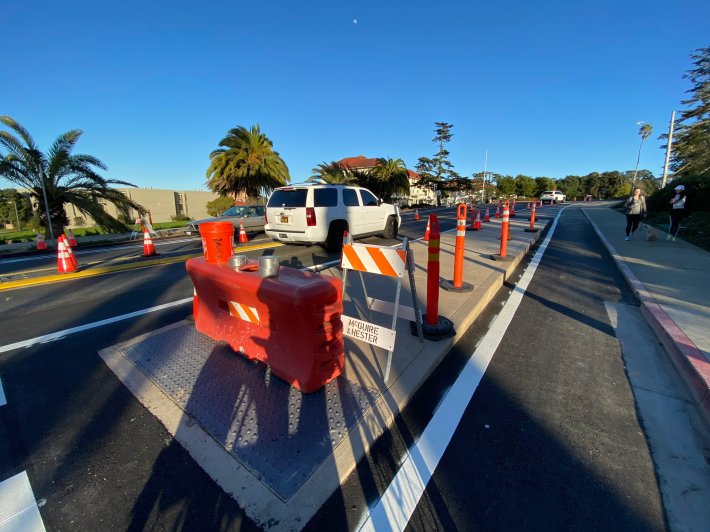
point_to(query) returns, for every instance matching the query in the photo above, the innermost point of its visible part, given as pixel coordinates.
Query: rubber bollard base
(449, 287)
(443, 329)
(532, 230)
(496, 257)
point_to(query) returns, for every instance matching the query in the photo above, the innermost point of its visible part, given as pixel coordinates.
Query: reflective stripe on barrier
(244, 312)
(374, 259)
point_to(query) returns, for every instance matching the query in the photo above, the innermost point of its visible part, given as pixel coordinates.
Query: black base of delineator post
(498, 258)
(449, 287)
(534, 230)
(443, 329)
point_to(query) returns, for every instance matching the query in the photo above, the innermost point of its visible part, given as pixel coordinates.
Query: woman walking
(635, 209)
(678, 212)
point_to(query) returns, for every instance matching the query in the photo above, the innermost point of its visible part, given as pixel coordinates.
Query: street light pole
(668, 151)
(483, 187)
(16, 215)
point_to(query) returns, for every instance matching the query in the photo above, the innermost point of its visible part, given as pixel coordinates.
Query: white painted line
(394, 509)
(66, 332)
(18, 508)
(3, 400)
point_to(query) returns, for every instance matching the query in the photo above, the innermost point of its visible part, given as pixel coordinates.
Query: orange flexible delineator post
(435, 327)
(457, 285)
(532, 228)
(504, 236)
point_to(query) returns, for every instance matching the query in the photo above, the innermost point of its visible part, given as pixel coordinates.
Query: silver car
(252, 216)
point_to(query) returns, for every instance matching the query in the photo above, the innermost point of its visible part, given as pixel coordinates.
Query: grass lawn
(30, 236)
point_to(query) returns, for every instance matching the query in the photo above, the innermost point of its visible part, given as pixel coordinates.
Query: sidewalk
(672, 282)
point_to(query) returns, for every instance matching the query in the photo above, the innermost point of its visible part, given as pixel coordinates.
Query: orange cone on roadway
(416, 215)
(148, 247)
(476, 224)
(69, 251)
(242, 233)
(497, 214)
(64, 263)
(487, 217)
(41, 244)
(71, 239)
(428, 229)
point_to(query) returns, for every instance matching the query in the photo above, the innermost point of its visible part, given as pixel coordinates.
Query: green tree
(334, 173)
(525, 186)
(246, 163)
(644, 131)
(543, 184)
(438, 169)
(505, 186)
(218, 205)
(389, 177)
(64, 176)
(691, 140)
(13, 207)
(572, 186)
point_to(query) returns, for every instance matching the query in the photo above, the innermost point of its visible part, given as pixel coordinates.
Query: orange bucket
(217, 241)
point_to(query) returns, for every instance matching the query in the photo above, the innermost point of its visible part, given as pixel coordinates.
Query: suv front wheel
(390, 232)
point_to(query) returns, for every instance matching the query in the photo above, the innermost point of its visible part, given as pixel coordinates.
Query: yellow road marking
(61, 277)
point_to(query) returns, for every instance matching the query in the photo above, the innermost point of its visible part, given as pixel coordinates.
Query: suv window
(289, 198)
(350, 197)
(369, 199)
(325, 197)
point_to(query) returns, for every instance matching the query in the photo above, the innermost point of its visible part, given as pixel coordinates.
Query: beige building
(162, 204)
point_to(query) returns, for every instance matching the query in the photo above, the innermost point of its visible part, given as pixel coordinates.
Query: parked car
(319, 214)
(552, 196)
(252, 216)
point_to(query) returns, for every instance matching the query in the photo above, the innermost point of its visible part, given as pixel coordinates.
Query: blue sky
(548, 88)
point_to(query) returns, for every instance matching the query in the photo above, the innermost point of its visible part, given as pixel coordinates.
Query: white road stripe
(66, 332)
(394, 509)
(3, 400)
(18, 508)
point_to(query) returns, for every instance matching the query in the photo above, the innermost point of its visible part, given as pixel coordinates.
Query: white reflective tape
(461, 232)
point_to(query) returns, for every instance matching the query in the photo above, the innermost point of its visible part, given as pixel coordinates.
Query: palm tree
(59, 177)
(390, 177)
(246, 162)
(645, 131)
(334, 173)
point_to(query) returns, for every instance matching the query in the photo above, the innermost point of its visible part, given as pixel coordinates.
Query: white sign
(367, 332)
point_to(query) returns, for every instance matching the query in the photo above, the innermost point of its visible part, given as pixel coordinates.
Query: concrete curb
(685, 355)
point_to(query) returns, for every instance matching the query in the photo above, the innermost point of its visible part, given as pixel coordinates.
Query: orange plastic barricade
(291, 322)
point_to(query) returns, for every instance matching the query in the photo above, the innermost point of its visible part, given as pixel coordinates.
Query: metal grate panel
(277, 432)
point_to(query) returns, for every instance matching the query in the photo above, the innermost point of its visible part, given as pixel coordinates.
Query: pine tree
(438, 169)
(691, 141)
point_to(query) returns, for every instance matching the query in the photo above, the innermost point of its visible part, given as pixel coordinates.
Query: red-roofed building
(417, 194)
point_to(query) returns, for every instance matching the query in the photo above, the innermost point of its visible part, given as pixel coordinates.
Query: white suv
(320, 213)
(552, 196)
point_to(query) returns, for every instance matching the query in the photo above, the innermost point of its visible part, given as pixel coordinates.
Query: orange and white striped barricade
(390, 262)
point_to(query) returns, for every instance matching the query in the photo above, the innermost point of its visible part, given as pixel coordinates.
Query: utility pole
(483, 187)
(668, 151)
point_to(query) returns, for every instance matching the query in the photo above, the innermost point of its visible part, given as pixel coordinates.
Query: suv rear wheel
(391, 228)
(334, 240)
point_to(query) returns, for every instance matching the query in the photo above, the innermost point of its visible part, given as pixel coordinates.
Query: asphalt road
(555, 391)
(550, 439)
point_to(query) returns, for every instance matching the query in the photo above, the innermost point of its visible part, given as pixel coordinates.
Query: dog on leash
(650, 232)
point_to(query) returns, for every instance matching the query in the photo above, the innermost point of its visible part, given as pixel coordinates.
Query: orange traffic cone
(69, 251)
(64, 262)
(148, 247)
(416, 215)
(497, 214)
(242, 233)
(428, 228)
(487, 217)
(512, 209)
(476, 224)
(41, 244)
(72, 240)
